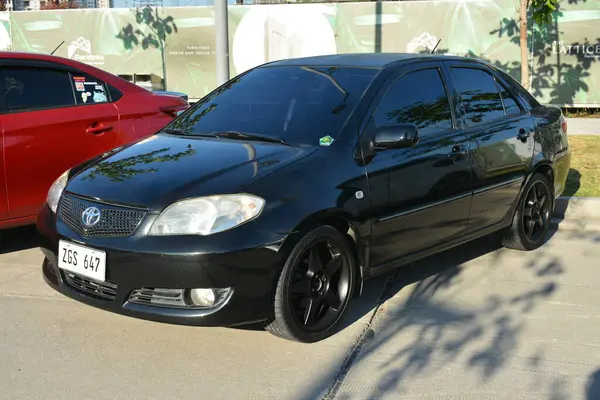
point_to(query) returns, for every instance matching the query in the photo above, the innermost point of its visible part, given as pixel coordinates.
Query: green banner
(564, 55)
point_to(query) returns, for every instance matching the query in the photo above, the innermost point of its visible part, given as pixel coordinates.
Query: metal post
(222, 41)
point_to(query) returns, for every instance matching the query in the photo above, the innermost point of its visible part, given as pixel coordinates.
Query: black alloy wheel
(315, 287)
(532, 218)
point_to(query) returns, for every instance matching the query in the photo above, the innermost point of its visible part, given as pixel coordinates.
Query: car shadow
(18, 239)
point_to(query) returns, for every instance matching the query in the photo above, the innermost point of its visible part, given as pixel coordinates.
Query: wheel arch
(542, 166)
(346, 224)
(545, 167)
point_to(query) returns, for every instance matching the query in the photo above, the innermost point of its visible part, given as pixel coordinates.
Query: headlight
(56, 190)
(207, 215)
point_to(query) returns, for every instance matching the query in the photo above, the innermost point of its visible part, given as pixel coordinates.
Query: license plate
(82, 260)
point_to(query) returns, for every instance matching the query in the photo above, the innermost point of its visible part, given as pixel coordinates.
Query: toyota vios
(276, 195)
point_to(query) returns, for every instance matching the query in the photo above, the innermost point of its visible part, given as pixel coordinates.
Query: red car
(57, 113)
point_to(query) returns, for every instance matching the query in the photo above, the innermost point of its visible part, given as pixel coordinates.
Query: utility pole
(222, 41)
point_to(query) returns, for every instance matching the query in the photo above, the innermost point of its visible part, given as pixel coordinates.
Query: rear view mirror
(395, 136)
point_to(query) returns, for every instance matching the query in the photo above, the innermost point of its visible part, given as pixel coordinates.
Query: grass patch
(584, 175)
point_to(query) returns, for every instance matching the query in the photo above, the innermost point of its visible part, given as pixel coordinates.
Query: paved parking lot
(477, 322)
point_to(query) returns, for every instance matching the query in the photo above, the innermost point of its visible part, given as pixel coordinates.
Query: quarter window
(28, 88)
(521, 92)
(480, 99)
(420, 98)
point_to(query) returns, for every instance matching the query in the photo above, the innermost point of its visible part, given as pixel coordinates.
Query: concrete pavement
(475, 322)
(583, 126)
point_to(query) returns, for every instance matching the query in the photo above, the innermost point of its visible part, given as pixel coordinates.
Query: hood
(164, 168)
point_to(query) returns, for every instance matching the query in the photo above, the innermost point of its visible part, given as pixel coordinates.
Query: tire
(303, 287)
(518, 236)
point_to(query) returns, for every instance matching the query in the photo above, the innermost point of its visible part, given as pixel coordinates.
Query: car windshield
(293, 104)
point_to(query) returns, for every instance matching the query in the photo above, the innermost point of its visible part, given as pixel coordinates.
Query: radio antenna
(436, 45)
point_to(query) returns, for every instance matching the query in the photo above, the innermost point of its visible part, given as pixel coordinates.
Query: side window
(89, 90)
(420, 98)
(29, 88)
(479, 95)
(510, 104)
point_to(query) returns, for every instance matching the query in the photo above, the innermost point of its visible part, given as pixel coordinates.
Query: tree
(542, 14)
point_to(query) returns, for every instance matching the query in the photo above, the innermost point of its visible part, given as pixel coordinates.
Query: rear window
(299, 105)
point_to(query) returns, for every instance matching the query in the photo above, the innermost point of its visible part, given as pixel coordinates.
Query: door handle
(523, 135)
(98, 129)
(458, 153)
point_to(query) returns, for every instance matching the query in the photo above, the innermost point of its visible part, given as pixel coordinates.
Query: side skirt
(447, 245)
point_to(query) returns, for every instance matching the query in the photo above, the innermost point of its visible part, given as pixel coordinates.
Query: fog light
(202, 297)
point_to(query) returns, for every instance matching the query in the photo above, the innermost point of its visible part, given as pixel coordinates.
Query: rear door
(53, 119)
(503, 132)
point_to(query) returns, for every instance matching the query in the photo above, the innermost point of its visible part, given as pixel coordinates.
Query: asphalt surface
(476, 322)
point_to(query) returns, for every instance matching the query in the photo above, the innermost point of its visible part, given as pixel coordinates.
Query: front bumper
(251, 273)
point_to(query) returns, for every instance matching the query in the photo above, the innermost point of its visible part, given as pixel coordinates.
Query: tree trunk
(524, 47)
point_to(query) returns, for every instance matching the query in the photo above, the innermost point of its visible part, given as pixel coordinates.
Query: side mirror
(395, 136)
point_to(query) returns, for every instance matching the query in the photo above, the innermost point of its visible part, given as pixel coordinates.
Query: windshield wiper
(176, 131)
(248, 136)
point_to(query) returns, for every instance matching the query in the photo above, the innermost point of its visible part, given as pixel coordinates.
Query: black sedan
(274, 197)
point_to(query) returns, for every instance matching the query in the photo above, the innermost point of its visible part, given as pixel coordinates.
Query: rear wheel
(314, 288)
(532, 218)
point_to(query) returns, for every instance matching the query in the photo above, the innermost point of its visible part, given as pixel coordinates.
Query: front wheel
(532, 217)
(314, 288)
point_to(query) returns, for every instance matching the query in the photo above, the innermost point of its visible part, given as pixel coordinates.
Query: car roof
(366, 60)
(35, 56)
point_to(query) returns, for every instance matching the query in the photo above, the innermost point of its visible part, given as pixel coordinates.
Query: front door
(504, 144)
(420, 195)
(52, 120)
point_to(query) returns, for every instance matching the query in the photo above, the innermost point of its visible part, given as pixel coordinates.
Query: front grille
(158, 297)
(99, 290)
(114, 221)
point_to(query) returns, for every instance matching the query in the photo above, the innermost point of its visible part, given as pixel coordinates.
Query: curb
(577, 213)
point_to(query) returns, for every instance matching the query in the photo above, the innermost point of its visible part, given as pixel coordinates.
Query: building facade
(36, 5)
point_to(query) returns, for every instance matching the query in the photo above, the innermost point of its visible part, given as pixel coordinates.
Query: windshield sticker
(326, 141)
(84, 96)
(79, 86)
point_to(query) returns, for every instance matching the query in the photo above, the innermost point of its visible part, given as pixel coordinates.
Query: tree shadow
(151, 31)
(18, 239)
(426, 325)
(559, 70)
(554, 76)
(573, 183)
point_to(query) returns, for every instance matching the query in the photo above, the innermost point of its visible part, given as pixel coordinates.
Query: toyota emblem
(90, 217)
